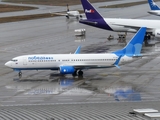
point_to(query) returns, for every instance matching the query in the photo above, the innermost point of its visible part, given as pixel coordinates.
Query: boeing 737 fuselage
(65, 63)
(75, 63)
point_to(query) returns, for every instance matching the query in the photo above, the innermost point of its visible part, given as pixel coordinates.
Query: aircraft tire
(80, 73)
(20, 74)
(67, 17)
(74, 74)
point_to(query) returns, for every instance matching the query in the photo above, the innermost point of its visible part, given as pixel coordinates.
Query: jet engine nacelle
(157, 33)
(66, 69)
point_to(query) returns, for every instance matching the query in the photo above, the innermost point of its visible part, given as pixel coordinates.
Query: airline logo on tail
(89, 11)
(153, 5)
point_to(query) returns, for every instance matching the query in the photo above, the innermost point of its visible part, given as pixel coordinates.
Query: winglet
(153, 5)
(78, 50)
(117, 62)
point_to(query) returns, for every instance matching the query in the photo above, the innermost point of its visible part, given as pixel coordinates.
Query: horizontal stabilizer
(117, 62)
(87, 22)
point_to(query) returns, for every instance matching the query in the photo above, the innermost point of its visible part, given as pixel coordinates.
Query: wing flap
(61, 14)
(137, 27)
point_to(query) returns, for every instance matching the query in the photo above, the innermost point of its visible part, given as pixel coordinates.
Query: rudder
(90, 11)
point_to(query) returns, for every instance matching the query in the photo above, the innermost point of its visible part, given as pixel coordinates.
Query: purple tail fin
(93, 17)
(90, 11)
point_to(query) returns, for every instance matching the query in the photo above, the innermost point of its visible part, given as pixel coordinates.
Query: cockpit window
(14, 60)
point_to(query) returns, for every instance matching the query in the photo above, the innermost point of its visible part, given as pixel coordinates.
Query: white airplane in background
(155, 10)
(69, 13)
(75, 63)
(118, 24)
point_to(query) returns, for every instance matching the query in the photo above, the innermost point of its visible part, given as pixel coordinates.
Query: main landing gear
(80, 16)
(146, 38)
(20, 74)
(67, 16)
(78, 73)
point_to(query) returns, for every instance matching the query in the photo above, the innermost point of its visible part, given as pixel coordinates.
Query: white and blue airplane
(93, 18)
(75, 63)
(155, 10)
(70, 13)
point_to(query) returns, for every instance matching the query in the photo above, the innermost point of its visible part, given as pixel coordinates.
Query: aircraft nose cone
(8, 64)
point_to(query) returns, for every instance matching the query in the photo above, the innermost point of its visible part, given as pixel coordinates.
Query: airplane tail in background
(134, 46)
(153, 5)
(90, 11)
(93, 17)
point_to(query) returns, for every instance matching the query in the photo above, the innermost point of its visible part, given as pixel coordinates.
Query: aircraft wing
(87, 21)
(62, 14)
(136, 27)
(133, 28)
(128, 26)
(90, 67)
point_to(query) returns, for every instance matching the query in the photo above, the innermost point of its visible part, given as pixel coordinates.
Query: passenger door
(25, 61)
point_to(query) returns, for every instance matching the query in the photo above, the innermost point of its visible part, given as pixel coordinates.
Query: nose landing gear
(67, 16)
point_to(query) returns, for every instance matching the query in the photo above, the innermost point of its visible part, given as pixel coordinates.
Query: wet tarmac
(134, 85)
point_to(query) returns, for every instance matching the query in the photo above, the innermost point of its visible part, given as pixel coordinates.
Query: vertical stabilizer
(153, 5)
(90, 11)
(93, 17)
(134, 46)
